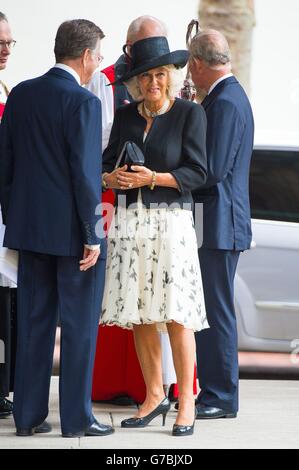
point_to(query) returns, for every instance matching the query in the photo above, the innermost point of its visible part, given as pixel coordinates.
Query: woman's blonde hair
(176, 81)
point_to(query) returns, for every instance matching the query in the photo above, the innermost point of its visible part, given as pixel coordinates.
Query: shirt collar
(218, 81)
(3, 92)
(70, 70)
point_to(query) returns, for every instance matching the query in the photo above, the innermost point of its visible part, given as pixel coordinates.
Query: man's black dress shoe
(211, 412)
(96, 429)
(6, 407)
(176, 406)
(41, 429)
(121, 400)
(161, 409)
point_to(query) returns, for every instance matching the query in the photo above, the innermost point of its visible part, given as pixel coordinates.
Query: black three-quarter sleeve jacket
(176, 144)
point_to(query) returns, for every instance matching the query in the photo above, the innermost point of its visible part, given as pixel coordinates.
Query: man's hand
(90, 257)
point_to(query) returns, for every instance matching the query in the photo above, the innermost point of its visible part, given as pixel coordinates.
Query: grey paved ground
(269, 418)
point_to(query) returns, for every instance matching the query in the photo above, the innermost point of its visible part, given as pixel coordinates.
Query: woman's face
(153, 84)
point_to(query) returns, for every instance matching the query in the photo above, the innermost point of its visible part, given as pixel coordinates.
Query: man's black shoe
(41, 429)
(121, 400)
(176, 406)
(210, 412)
(96, 429)
(6, 407)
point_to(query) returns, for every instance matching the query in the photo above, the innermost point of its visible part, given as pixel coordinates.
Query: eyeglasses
(99, 58)
(8, 44)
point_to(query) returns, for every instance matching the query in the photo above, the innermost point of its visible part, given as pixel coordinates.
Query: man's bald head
(145, 27)
(212, 47)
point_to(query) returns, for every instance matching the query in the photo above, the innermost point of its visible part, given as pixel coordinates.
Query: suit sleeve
(193, 172)
(85, 150)
(224, 134)
(6, 159)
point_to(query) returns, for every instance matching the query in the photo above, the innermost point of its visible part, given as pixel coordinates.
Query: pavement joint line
(111, 418)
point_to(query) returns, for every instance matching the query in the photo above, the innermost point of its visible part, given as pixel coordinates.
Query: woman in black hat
(153, 277)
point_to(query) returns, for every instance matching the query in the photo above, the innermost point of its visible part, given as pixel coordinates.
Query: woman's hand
(111, 179)
(140, 176)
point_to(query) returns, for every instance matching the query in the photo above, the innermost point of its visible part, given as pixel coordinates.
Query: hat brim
(177, 58)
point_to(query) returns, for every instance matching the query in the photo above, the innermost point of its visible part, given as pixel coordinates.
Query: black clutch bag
(130, 155)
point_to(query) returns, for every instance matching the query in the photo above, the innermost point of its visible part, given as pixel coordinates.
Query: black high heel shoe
(161, 409)
(182, 430)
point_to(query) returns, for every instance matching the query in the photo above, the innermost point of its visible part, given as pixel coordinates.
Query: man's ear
(197, 62)
(85, 56)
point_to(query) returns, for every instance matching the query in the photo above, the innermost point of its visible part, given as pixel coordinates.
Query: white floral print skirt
(153, 273)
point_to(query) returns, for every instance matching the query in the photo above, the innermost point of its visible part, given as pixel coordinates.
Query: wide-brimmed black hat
(151, 53)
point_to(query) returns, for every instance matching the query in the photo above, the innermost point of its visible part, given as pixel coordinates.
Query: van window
(274, 185)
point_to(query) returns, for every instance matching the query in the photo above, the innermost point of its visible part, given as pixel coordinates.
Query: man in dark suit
(50, 157)
(8, 310)
(226, 219)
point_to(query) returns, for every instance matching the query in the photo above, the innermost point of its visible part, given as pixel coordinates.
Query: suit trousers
(47, 286)
(217, 347)
(8, 335)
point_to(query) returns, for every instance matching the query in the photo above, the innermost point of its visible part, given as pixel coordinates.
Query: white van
(267, 279)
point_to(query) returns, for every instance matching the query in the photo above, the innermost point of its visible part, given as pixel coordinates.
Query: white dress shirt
(3, 94)
(218, 81)
(98, 86)
(68, 69)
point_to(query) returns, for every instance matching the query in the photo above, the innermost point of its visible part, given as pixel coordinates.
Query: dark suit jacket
(225, 195)
(176, 143)
(50, 160)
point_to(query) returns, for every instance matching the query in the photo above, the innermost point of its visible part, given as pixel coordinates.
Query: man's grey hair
(3, 17)
(74, 37)
(211, 46)
(142, 24)
(175, 83)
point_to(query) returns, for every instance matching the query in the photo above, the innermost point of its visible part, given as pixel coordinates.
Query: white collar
(70, 70)
(3, 93)
(218, 81)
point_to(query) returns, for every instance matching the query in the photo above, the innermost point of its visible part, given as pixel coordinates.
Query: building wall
(275, 65)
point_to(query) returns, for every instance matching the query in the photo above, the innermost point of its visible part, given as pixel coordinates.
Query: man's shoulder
(27, 83)
(48, 87)
(85, 94)
(227, 100)
(232, 93)
(81, 98)
(70, 87)
(23, 89)
(230, 105)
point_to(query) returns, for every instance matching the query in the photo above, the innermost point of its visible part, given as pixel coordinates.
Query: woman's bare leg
(148, 348)
(183, 350)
